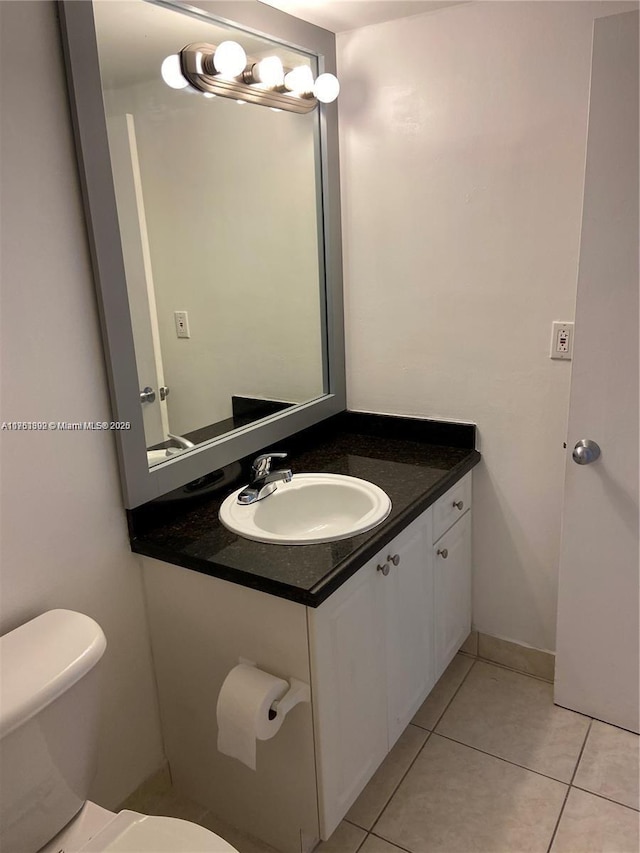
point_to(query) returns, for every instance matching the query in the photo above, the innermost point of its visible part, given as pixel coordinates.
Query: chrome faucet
(263, 479)
(183, 443)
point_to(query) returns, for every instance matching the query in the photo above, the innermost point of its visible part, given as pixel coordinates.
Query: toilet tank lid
(42, 659)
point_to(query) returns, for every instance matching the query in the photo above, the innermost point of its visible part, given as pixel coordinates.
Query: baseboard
(512, 655)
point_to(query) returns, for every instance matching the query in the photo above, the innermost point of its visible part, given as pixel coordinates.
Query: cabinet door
(452, 591)
(349, 691)
(408, 603)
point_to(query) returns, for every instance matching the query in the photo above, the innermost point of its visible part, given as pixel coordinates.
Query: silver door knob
(585, 452)
(384, 569)
(147, 395)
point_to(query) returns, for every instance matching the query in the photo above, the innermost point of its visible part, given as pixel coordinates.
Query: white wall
(64, 539)
(463, 138)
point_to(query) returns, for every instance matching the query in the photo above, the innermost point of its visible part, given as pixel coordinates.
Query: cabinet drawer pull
(384, 569)
(395, 558)
(444, 553)
(459, 505)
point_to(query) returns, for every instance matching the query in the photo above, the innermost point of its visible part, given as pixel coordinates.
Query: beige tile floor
(488, 765)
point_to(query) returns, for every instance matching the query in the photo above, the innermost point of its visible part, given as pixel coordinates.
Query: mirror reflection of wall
(218, 204)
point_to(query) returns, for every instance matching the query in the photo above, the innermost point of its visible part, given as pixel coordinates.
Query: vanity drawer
(451, 506)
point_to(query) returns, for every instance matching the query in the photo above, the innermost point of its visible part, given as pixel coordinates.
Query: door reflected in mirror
(220, 214)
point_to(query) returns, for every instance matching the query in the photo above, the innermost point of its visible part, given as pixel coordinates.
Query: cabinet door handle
(384, 569)
(444, 553)
(459, 505)
(395, 559)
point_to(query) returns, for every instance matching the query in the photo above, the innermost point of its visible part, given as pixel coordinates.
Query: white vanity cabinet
(381, 641)
(371, 652)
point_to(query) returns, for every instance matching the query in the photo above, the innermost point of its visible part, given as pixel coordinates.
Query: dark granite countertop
(414, 461)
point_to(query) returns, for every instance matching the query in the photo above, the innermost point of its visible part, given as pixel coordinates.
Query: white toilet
(48, 727)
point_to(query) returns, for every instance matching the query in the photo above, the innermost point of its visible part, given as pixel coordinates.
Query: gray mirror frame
(139, 483)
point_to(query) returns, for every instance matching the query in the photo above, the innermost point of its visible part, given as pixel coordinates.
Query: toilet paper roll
(246, 696)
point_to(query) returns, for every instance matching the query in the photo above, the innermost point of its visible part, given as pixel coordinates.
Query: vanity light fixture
(225, 70)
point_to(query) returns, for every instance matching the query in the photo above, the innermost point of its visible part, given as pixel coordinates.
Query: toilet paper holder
(298, 692)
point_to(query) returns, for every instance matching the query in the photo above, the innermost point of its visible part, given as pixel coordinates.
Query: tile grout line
(506, 760)
(369, 833)
(605, 722)
(402, 778)
(608, 799)
(446, 708)
(394, 843)
(428, 738)
(519, 671)
(362, 843)
(455, 693)
(566, 796)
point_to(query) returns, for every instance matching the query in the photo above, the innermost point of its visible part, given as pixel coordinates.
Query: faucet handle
(262, 464)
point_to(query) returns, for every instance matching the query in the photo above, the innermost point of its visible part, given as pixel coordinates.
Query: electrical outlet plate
(561, 340)
(182, 324)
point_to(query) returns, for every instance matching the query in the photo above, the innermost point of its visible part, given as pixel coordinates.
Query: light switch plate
(561, 340)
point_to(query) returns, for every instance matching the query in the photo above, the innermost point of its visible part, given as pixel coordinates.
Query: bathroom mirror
(215, 231)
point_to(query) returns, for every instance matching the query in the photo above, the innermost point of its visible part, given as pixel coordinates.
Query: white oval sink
(310, 509)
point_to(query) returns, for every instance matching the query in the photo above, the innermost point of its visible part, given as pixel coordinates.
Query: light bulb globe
(326, 88)
(299, 80)
(171, 72)
(229, 59)
(269, 71)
